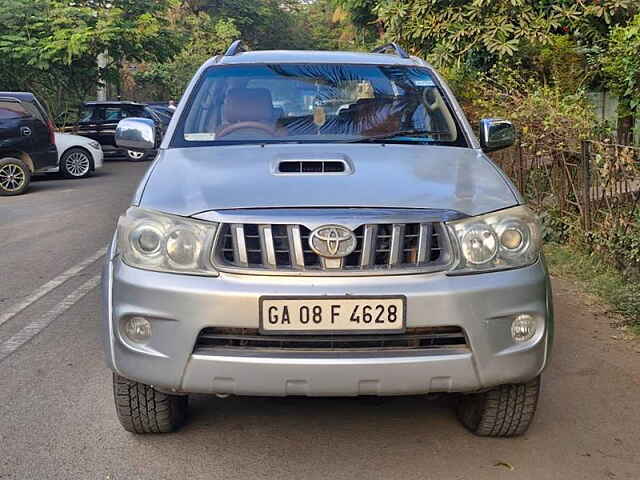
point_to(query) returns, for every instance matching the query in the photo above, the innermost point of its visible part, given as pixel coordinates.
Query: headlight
(95, 145)
(166, 243)
(496, 241)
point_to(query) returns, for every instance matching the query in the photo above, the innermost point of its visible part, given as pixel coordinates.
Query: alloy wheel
(135, 155)
(77, 164)
(12, 177)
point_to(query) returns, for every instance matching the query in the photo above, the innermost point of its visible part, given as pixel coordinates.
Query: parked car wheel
(143, 409)
(15, 176)
(136, 156)
(76, 163)
(504, 411)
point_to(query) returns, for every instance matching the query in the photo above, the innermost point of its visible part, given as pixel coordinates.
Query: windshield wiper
(391, 136)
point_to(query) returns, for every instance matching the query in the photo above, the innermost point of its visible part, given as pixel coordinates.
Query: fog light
(523, 328)
(138, 329)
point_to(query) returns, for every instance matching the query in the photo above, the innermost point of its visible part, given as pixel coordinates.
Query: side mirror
(137, 134)
(496, 134)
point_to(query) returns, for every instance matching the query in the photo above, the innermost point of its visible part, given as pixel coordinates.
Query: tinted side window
(33, 111)
(139, 112)
(12, 110)
(41, 111)
(86, 114)
(114, 114)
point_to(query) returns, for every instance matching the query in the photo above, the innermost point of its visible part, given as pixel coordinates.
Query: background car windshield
(317, 102)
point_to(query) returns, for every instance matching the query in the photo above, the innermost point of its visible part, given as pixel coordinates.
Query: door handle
(25, 131)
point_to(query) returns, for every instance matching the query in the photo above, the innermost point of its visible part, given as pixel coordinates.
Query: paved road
(57, 418)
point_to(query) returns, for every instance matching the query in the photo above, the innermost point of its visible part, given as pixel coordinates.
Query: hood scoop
(312, 167)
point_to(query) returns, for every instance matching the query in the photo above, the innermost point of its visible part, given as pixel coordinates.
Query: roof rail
(235, 48)
(394, 47)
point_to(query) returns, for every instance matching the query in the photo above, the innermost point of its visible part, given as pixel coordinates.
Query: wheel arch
(20, 155)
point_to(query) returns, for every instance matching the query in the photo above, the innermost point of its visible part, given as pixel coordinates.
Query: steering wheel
(246, 125)
(437, 100)
(439, 105)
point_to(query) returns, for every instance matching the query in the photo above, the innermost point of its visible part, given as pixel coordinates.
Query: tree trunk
(625, 129)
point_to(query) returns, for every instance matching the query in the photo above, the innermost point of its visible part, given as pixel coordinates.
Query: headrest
(247, 105)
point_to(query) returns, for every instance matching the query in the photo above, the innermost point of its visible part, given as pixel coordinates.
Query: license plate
(332, 314)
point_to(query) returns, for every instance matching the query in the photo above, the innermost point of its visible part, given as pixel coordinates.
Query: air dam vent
(313, 167)
(216, 341)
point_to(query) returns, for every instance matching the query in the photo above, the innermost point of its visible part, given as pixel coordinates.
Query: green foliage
(482, 33)
(555, 227)
(50, 46)
(328, 27)
(263, 24)
(206, 28)
(562, 63)
(619, 290)
(202, 37)
(361, 12)
(621, 64)
(548, 117)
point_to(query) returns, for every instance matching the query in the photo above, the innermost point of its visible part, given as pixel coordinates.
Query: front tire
(15, 177)
(503, 411)
(76, 163)
(143, 409)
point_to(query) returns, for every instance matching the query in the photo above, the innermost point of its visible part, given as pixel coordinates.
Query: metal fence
(592, 191)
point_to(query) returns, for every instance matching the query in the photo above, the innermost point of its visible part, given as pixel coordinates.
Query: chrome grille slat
(267, 246)
(397, 242)
(284, 249)
(296, 250)
(369, 236)
(424, 241)
(239, 244)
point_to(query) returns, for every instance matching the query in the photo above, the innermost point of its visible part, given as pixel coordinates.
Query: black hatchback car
(98, 120)
(27, 141)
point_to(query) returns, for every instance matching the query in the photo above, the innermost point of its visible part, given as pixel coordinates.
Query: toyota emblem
(332, 241)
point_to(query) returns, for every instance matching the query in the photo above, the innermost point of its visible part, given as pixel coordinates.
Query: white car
(78, 156)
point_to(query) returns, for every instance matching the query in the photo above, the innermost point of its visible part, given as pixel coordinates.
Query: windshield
(317, 103)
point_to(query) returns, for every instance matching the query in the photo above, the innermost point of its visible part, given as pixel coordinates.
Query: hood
(193, 180)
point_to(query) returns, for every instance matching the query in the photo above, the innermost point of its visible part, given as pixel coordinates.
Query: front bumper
(180, 306)
(98, 158)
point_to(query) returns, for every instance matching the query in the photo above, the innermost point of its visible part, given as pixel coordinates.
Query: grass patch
(621, 293)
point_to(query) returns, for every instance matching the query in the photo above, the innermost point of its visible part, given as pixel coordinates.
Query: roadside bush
(556, 228)
(619, 243)
(619, 290)
(547, 117)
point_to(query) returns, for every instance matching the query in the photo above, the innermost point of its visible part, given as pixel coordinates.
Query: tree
(206, 28)
(50, 47)
(201, 36)
(621, 67)
(455, 31)
(325, 26)
(264, 24)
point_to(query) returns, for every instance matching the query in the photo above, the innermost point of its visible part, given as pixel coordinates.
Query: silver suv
(325, 224)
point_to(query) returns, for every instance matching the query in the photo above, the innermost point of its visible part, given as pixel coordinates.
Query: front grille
(381, 248)
(218, 340)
